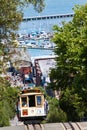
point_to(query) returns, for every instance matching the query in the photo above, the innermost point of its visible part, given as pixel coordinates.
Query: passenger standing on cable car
(46, 106)
(18, 108)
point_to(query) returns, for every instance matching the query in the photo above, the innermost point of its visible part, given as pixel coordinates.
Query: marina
(36, 40)
(44, 45)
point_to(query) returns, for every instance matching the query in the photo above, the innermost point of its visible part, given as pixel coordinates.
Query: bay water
(52, 7)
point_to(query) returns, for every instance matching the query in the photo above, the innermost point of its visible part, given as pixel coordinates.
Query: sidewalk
(15, 122)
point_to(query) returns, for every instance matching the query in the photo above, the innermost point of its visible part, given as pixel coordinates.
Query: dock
(55, 16)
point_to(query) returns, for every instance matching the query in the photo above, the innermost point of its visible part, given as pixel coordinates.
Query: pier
(56, 16)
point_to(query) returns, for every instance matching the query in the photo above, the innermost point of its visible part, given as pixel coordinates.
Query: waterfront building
(42, 66)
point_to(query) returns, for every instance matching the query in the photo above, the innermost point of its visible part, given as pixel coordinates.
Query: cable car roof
(30, 91)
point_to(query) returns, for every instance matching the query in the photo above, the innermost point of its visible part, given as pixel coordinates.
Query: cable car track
(51, 126)
(66, 126)
(71, 126)
(33, 127)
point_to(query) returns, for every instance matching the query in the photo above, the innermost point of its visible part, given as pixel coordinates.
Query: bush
(55, 112)
(4, 117)
(8, 97)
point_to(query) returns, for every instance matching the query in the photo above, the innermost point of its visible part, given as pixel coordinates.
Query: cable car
(31, 106)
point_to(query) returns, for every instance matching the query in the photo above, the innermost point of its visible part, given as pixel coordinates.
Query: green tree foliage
(38, 4)
(70, 74)
(11, 14)
(8, 96)
(4, 118)
(55, 113)
(72, 104)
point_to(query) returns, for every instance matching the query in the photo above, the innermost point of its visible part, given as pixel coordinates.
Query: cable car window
(32, 101)
(38, 100)
(24, 101)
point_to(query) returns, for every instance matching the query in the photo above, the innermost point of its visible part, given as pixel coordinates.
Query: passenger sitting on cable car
(24, 102)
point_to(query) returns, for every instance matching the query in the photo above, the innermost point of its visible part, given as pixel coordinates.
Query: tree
(72, 104)
(55, 114)
(11, 14)
(70, 40)
(71, 69)
(8, 97)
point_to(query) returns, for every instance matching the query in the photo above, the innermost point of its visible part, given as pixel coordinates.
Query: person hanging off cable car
(46, 106)
(18, 108)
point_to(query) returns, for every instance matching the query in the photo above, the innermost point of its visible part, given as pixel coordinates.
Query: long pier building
(43, 23)
(56, 16)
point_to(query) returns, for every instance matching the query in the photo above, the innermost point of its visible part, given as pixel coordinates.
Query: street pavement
(20, 127)
(15, 122)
